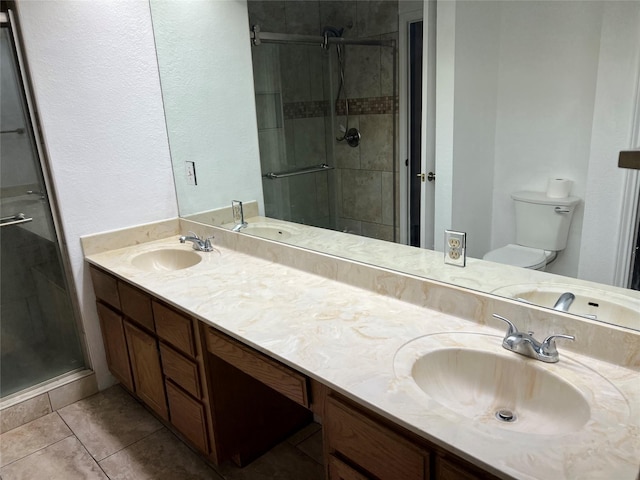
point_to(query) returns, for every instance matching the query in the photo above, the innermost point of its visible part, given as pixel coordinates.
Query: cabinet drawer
(188, 416)
(136, 305)
(338, 470)
(174, 328)
(281, 378)
(181, 370)
(105, 287)
(372, 446)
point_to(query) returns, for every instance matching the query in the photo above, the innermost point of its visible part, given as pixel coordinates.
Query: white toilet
(542, 229)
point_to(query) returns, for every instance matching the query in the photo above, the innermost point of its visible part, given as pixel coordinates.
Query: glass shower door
(38, 330)
(294, 126)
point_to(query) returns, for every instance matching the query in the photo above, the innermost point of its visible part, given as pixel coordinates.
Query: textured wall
(96, 83)
(207, 85)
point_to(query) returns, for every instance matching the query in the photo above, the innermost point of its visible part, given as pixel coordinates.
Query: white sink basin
(478, 385)
(590, 302)
(470, 375)
(166, 259)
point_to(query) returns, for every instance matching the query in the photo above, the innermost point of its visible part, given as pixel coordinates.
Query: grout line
(162, 427)
(38, 450)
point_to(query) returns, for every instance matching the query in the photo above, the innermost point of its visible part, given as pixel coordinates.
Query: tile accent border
(357, 106)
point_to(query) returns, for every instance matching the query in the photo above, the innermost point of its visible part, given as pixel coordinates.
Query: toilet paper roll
(559, 188)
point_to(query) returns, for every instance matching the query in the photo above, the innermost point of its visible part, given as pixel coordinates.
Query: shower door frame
(8, 19)
(257, 37)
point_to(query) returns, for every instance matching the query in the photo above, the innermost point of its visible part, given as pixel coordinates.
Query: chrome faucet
(238, 215)
(198, 243)
(525, 344)
(564, 302)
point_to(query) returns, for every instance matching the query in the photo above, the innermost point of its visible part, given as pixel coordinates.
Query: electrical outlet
(190, 170)
(455, 248)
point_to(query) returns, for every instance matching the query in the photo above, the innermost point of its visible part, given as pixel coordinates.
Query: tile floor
(111, 436)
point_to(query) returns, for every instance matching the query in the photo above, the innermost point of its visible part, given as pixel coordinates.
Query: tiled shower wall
(294, 121)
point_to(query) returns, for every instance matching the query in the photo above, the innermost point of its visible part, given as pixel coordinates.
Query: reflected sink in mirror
(589, 302)
(166, 259)
(471, 376)
(271, 230)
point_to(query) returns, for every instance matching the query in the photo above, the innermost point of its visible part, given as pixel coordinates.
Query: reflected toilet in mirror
(542, 230)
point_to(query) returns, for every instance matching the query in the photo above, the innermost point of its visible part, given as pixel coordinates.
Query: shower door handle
(16, 220)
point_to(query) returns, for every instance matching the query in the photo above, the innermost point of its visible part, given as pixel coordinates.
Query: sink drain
(505, 415)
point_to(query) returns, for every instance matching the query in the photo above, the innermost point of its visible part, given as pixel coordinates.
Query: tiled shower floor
(111, 436)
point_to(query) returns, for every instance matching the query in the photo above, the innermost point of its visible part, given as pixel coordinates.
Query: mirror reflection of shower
(350, 135)
(321, 86)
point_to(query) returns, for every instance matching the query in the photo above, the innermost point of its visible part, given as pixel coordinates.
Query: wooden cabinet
(145, 366)
(115, 345)
(188, 416)
(153, 351)
(371, 447)
(338, 470)
(281, 378)
(259, 402)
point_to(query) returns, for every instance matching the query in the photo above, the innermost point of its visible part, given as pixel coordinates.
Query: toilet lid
(518, 256)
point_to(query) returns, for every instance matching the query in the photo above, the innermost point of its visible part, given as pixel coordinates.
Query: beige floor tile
(24, 412)
(109, 421)
(283, 462)
(159, 456)
(33, 436)
(64, 460)
(312, 446)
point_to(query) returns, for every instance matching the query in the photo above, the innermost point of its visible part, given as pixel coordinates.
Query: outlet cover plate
(455, 248)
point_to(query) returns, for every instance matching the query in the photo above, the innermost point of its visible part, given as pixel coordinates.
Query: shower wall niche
(299, 119)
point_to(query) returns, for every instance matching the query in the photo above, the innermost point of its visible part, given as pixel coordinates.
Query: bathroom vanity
(235, 352)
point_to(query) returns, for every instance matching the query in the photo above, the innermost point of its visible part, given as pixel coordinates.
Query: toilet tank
(543, 222)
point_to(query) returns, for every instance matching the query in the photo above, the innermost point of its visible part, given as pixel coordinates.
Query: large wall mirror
(336, 112)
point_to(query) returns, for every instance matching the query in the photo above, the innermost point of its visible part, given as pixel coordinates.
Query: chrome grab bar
(299, 171)
(14, 220)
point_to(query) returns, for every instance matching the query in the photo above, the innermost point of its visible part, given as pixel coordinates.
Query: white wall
(566, 78)
(476, 85)
(204, 55)
(547, 79)
(96, 83)
(614, 108)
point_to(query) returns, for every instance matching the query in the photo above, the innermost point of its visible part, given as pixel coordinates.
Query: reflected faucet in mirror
(238, 215)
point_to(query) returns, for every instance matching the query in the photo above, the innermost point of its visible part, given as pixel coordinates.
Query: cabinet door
(145, 365)
(372, 446)
(188, 416)
(115, 345)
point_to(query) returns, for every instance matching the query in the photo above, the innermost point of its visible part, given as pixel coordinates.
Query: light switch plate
(455, 248)
(190, 171)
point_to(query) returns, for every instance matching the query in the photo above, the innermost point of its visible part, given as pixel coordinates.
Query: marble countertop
(348, 338)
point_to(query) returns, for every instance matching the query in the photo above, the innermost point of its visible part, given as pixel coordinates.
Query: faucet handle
(207, 241)
(549, 344)
(512, 328)
(194, 234)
